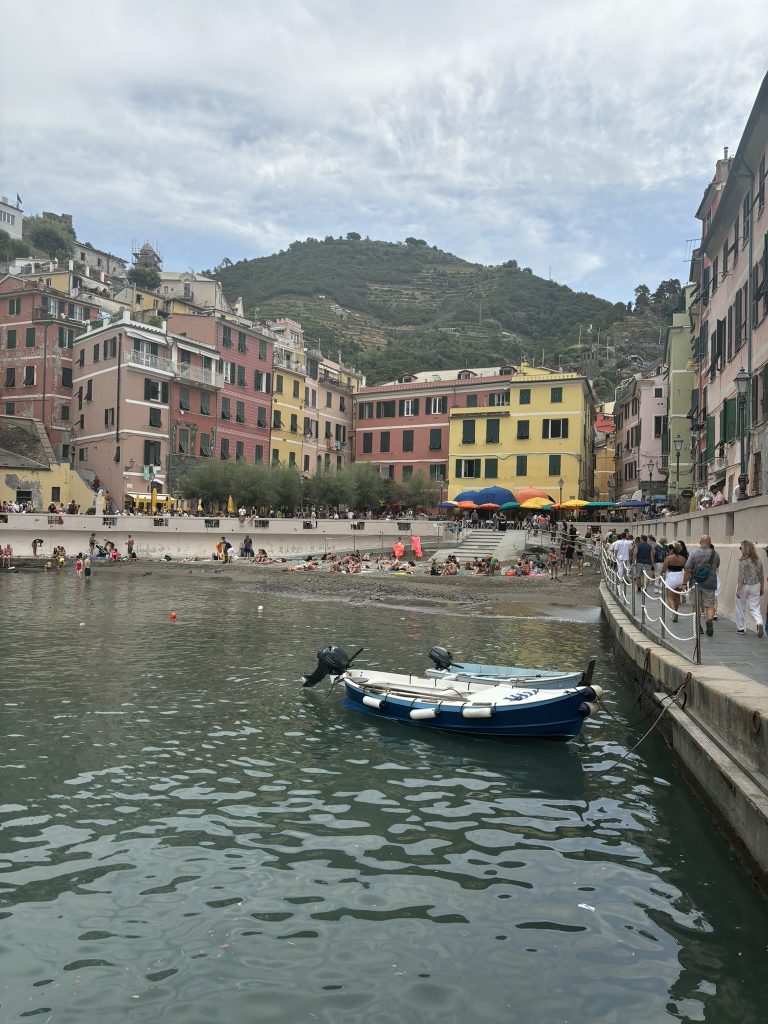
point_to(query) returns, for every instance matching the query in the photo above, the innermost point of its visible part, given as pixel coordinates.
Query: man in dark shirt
(642, 558)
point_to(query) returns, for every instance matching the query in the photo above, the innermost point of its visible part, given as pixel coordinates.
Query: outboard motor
(441, 657)
(331, 661)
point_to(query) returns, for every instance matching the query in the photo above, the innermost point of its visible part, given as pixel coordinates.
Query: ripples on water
(187, 836)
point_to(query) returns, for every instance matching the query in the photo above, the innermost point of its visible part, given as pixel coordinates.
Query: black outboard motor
(331, 661)
(441, 657)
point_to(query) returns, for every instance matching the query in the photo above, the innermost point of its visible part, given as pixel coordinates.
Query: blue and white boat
(490, 675)
(449, 705)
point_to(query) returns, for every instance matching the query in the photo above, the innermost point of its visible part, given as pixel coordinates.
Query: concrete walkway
(744, 653)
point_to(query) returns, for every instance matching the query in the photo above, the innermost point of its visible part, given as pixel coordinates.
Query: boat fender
(421, 713)
(592, 693)
(587, 708)
(470, 712)
(373, 702)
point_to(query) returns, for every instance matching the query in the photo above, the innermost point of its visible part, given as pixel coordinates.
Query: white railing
(650, 610)
(149, 361)
(196, 373)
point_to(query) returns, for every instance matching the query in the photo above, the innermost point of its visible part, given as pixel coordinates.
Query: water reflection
(187, 835)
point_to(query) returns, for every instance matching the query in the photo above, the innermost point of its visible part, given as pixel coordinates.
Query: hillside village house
(641, 424)
(477, 427)
(731, 314)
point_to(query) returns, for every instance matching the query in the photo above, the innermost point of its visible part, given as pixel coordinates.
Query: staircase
(475, 544)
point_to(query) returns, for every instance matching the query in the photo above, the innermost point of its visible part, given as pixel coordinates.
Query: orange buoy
(173, 616)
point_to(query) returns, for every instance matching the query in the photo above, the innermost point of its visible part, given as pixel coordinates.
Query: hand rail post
(697, 622)
(634, 591)
(663, 612)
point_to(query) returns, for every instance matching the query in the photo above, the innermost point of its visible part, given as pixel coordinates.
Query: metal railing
(650, 610)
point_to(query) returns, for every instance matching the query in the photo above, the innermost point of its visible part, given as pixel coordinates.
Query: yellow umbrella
(104, 504)
(153, 506)
(573, 503)
(536, 503)
(199, 504)
(230, 505)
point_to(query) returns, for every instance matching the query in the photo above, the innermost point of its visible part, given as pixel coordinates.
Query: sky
(575, 136)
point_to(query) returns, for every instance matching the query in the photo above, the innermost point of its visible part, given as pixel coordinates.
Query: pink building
(731, 313)
(402, 427)
(640, 413)
(38, 327)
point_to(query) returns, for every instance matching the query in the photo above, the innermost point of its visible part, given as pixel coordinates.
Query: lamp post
(651, 467)
(741, 381)
(561, 484)
(677, 441)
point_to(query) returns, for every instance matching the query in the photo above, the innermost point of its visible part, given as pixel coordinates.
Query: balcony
(285, 363)
(207, 378)
(334, 382)
(147, 361)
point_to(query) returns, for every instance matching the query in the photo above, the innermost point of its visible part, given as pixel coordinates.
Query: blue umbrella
(631, 504)
(467, 496)
(497, 495)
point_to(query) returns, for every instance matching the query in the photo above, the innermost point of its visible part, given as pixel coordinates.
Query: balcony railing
(327, 378)
(148, 361)
(210, 378)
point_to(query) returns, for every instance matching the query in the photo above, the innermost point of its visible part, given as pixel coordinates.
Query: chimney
(725, 152)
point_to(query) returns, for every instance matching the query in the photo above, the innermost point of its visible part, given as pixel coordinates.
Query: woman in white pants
(749, 587)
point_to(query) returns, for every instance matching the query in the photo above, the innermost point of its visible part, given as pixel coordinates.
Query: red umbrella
(488, 504)
(466, 504)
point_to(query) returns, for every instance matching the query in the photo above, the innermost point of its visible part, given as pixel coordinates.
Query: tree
(54, 238)
(353, 236)
(10, 247)
(666, 298)
(146, 278)
(642, 297)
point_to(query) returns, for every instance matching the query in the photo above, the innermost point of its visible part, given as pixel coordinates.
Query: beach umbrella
(533, 492)
(199, 504)
(488, 504)
(631, 504)
(230, 505)
(573, 503)
(495, 495)
(600, 504)
(536, 503)
(447, 504)
(466, 496)
(153, 506)
(466, 504)
(508, 505)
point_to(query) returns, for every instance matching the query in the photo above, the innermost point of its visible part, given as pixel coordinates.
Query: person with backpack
(701, 569)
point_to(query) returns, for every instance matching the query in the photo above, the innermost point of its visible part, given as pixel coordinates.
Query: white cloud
(495, 129)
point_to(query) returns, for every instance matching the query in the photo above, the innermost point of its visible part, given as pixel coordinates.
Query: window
(155, 391)
(262, 381)
(224, 448)
(467, 468)
(184, 399)
(551, 429)
(14, 307)
(262, 350)
(10, 376)
(109, 418)
(384, 441)
(342, 403)
(367, 443)
(241, 346)
(228, 369)
(79, 399)
(29, 339)
(407, 472)
(277, 420)
(492, 432)
(110, 348)
(291, 458)
(96, 352)
(498, 398)
(328, 400)
(295, 423)
(89, 390)
(151, 453)
(409, 407)
(64, 413)
(66, 376)
(296, 389)
(435, 439)
(523, 430)
(471, 401)
(437, 405)
(555, 395)
(241, 376)
(491, 469)
(407, 440)
(259, 453)
(205, 403)
(155, 418)
(279, 383)
(29, 376)
(83, 454)
(658, 392)
(261, 417)
(328, 432)
(205, 445)
(275, 457)
(66, 337)
(81, 358)
(437, 473)
(659, 426)
(468, 432)
(240, 412)
(521, 467)
(10, 409)
(183, 441)
(239, 450)
(226, 409)
(385, 410)
(226, 337)
(10, 338)
(554, 465)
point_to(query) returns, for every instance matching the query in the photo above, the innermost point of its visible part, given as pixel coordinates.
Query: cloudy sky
(575, 136)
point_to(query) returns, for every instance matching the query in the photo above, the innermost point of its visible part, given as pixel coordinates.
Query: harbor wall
(718, 734)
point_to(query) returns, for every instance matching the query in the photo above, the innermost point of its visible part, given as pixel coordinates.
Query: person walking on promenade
(621, 549)
(673, 571)
(701, 567)
(750, 587)
(642, 559)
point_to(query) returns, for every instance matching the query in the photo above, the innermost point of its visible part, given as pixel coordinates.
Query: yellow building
(538, 433)
(290, 420)
(29, 471)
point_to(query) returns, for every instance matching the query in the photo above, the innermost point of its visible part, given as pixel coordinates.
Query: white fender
(470, 712)
(420, 713)
(373, 702)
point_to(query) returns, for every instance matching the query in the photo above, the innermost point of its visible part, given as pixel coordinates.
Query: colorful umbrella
(488, 504)
(466, 496)
(466, 504)
(600, 504)
(447, 504)
(495, 495)
(153, 506)
(199, 504)
(509, 504)
(573, 503)
(533, 492)
(230, 505)
(536, 503)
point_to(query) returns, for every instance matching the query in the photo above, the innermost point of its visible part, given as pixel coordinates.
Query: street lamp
(741, 381)
(677, 441)
(651, 467)
(561, 484)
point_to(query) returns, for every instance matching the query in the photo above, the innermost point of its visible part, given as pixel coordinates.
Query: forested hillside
(396, 307)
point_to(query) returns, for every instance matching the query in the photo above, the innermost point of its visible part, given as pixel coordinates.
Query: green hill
(396, 307)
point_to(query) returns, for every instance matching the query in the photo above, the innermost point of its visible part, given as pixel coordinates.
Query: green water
(187, 836)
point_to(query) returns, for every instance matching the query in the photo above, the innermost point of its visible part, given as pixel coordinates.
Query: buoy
(260, 608)
(173, 616)
(82, 623)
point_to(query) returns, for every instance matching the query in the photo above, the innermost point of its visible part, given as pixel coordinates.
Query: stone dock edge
(718, 735)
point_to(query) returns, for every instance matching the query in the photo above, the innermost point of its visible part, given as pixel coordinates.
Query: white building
(11, 216)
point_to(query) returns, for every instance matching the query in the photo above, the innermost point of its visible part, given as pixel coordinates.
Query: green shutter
(709, 454)
(730, 419)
